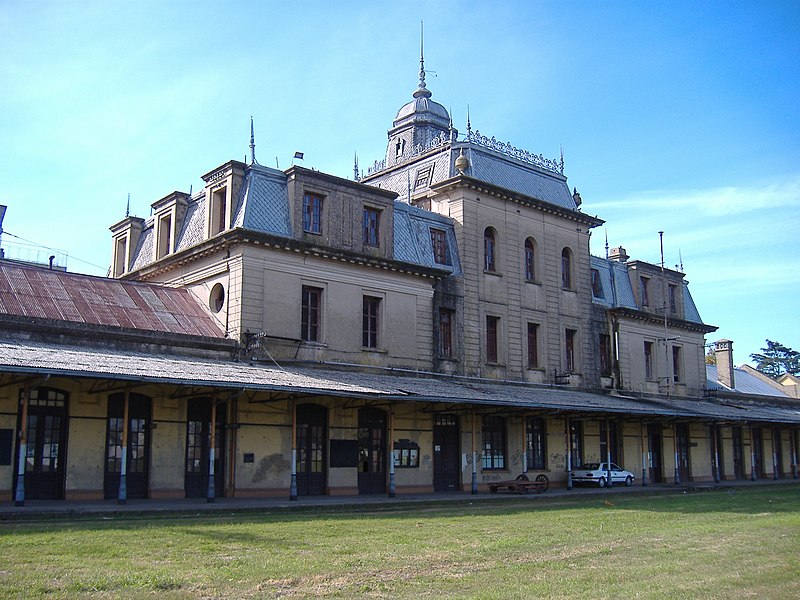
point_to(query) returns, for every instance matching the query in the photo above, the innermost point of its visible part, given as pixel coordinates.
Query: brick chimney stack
(723, 351)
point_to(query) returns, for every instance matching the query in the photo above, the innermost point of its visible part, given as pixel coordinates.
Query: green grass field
(742, 543)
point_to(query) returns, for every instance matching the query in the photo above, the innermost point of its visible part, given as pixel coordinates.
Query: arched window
(530, 261)
(566, 268)
(488, 250)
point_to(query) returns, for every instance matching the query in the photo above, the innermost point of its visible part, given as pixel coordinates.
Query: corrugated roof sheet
(56, 360)
(745, 383)
(48, 294)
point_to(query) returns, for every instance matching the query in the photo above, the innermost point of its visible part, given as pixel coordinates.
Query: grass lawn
(742, 543)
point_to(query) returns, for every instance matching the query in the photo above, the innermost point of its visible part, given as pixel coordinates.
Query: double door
(198, 446)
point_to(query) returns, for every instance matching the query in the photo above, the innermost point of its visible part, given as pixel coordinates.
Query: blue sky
(680, 117)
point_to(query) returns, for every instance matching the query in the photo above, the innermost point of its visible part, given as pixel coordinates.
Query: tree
(776, 359)
(711, 356)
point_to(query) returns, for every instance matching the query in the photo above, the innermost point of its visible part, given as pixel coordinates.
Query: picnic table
(522, 484)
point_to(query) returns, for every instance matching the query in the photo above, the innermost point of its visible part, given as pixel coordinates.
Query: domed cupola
(417, 123)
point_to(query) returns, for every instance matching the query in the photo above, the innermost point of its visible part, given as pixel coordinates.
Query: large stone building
(437, 324)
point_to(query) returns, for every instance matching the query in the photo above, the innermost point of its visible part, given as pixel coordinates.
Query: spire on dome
(421, 91)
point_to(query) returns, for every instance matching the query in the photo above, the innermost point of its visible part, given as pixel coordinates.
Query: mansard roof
(617, 290)
(263, 206)
(42, 294)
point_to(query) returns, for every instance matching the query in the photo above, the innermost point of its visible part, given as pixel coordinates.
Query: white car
(598, 473)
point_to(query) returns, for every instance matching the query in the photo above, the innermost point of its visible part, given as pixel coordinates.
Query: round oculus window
(216, 300)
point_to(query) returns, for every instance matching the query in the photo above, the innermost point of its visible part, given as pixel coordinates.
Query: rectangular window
(494, 443)
(536, 443)
(370, 322)
(311, 314)
(673, 306)
(312, 213)
(569, 344)
(218, 212)
(648, 360)
(597, 286)
(643, 297)
(164, 236)
(676, 364)
(491, 339)
(406, 454)
(439, 243)
(533, 345)
(605, 355)
(446, 318)
(372, 226)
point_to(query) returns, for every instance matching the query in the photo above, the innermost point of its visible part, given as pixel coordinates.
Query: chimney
(723, 351)
(619, 254)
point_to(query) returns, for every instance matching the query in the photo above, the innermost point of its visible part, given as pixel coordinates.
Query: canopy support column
(19, 496)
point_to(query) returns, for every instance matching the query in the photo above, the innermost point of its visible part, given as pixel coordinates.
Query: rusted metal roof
(42, 293)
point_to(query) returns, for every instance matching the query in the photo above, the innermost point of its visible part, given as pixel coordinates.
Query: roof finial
(469, 125)
(252, 143)
(421, 91)
(606, 244)
(355, 166)
(128, 207)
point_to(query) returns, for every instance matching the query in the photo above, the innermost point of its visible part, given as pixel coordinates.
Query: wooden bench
(522, 484)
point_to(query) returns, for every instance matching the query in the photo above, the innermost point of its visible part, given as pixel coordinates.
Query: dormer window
(423, 177)
(218, 211)
(439, 242)
(163, 236)
(121, 256)
(673, 304)
(371, 227)
(312, 213)
(597, 286)
(644, 297)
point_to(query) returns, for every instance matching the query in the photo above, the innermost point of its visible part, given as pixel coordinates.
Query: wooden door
(446, 453)
(312, 449)
(371, 451)
(198, 444)
(655, 462)
(46, 449)
(138, 461)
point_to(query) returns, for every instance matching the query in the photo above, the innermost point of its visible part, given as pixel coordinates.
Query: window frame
(677, 371)
(644, 295)
(492, 339)
(370, 321)
(530, 260)
(489, 250)
(533, 345)
(311, 314)
(648, 361)
(673, 301)
(604, 352)
(566, 268)
(569, 350)
(536, 443)
(493, 440)
(439, 245)
(597, 284)
(312, 213)
(371, 230)
(445, 341)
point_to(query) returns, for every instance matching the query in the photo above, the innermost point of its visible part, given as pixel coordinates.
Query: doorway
(312, 449)
(371, 451)
(682, 451)
(446, 449)
(46, 449)
(138, 457)
(655, 463)
(198, 443)
(737, 452)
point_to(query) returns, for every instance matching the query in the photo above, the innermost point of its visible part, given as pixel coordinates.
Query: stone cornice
(641, 315)
(505, 194)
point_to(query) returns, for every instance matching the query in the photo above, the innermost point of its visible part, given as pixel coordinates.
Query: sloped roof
(40, 293)
(70, 361)
(412, 236)
(614, 283)
(745, 383)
